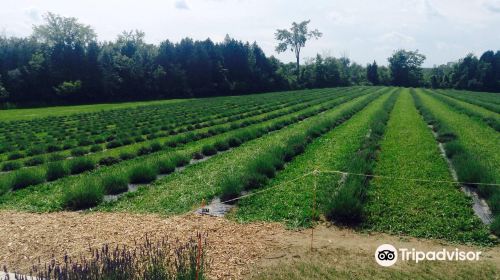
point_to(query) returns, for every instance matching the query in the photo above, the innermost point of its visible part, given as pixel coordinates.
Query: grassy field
(33, 113)
(252, 143)
(423, 209)
(292, 201)
(367, 144)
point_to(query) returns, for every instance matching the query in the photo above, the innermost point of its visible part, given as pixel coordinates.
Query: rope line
(267, 189)
(344, 173)
(405, 179)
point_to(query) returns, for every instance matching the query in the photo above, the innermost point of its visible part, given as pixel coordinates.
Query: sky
(363, 30)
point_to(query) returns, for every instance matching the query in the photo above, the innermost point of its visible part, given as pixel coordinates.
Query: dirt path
(347, 254)
(236, 250)
(26, 237)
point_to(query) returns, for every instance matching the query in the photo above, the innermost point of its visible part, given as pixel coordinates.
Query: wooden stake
(315, 172)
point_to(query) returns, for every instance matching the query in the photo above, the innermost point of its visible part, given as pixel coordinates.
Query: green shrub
(4, 186)
(85, 142)
(15, 155)
(142, 174)
(114, 144)
(234, 142)
(56, 170)
(166, 166)
(180, 160)
(77, 152)
(68, 145)
(96, 148)
(469, 170)
(453, 148)
(221, 145)
(36, 150)
(155, 147)
(495, 226)
(53, 148)
(494, 202)
(144, 151)
(264, 165)
(27, 177)
(80, 165)
(83, 195)
(346, 207)
(115, 184)
(197, 155)
(208, 150)
(254, 180)
(34, 161)
(109, 161)
(56, 157)
(231, 186)
(11, 165)
(126, 155)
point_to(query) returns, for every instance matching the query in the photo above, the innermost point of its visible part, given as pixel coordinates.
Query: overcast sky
(364, 30)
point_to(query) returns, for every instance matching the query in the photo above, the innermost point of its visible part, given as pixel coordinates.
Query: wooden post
(315, 181)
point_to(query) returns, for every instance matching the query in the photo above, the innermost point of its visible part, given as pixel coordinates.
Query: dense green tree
(64, 63)
(406, 68)
(372, 73)
(295, 39)
(4, 94)
(63, 31)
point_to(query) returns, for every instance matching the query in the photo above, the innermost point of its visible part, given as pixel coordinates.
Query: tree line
(63, 63)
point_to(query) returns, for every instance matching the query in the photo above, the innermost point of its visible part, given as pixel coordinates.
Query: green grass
(32, 113)
(291, 202)
(115, 184)
(475, 151)
(180, 191)
(474, 111)
(421, 209)
(80, 165)
(56, 170)
(83, 195)
(144, 148)
(489, 101)
(347, 204)
(27, 178)
(143, 174)
(48, 196)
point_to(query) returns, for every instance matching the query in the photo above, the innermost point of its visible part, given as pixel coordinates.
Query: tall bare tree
(295, 38)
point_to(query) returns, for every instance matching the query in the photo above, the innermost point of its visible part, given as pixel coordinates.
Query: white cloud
(367, 30)
(181, 5)
(396, 38)
(492, 6)
(430, 11)
(33, 14)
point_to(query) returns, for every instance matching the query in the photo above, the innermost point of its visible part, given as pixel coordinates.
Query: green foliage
(295, 39)
(115, 184)
(83, 195)
(68, 88)
(208, 150)
(142, 174)
(406, 68)
(11, 165)
(80, 165)
(34, 161)
(56, 170)
(166, 166)
(346, 207)
(109, 160)
(27, 177)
